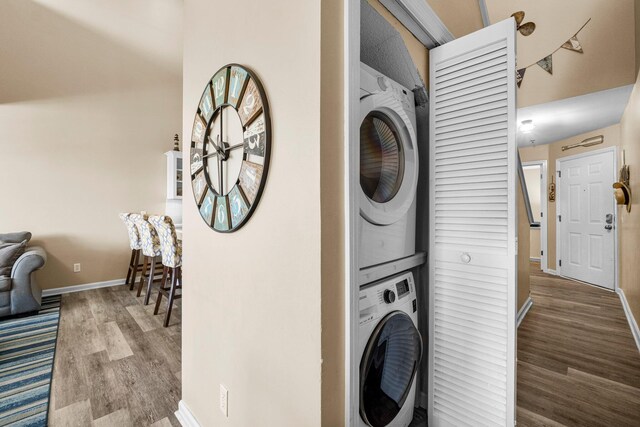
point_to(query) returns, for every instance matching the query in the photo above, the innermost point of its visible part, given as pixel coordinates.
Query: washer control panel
(387, 294)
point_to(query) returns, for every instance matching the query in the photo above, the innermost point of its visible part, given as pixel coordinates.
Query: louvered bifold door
(473, 230)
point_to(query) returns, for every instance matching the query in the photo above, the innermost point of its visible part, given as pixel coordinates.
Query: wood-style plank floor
(578, 364)
(115, 364)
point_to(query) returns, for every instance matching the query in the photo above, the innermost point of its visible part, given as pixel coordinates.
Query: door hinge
(559, 174)
(560, 262)
(541, 252)
(541, 214)
(559, 218)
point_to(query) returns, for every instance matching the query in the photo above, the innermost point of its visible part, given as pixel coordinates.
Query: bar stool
(150, 250)
(171, 249)
(135, 244)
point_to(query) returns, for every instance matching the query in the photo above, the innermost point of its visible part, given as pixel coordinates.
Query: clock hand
(235, 147)
(221, 120)
(215, 145)
(220, 166)
(210, 155)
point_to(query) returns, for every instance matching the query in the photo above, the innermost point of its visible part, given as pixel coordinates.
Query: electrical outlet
(76, 268)
(224, 401)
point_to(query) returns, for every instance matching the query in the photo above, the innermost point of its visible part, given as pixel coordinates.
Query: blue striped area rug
(27, 348)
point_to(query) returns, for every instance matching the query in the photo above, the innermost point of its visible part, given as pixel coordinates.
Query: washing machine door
(388, 368)
(388, 159)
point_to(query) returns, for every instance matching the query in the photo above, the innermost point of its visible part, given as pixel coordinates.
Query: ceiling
(562, 119)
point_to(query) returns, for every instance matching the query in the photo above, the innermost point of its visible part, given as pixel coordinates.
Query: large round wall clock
(230, 147)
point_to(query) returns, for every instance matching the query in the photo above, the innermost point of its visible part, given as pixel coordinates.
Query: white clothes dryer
(390, 349)
(388, 169)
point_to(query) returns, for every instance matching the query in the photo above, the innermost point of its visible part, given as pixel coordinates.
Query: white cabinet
(174, 186)
(174, 175)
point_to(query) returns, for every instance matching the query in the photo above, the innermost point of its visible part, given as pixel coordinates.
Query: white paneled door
(585, 218)
(473, 229)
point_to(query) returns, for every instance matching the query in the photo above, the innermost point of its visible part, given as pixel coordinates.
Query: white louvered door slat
(473, 230)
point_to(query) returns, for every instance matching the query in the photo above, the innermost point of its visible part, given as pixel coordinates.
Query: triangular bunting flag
(519, 16)
(520, 76)
(573, 44)
(546, 64)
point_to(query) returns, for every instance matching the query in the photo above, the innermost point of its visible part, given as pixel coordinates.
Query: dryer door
(388, 160)
(388, 367)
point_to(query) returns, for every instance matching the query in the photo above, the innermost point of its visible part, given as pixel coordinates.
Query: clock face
(230, 147)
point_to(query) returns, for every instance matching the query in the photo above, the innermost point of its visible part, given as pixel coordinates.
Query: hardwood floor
(115, 364)
(578, 364)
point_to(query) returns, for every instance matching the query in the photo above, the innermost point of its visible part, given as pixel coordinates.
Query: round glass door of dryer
(381, 157)
(388, 368)
(388, 160)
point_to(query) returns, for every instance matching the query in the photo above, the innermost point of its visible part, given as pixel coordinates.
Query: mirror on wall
(530, 177)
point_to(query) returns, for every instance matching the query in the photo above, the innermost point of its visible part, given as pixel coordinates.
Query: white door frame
(614, 210)
(351, 207)
(544, 208)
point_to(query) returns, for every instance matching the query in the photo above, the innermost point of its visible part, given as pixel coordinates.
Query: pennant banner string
(560, 47)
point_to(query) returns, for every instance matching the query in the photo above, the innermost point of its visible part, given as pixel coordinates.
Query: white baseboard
(83, 287)
(185, 417)
(550, 271)
(534, 259)
(524, 310)
(635, 331)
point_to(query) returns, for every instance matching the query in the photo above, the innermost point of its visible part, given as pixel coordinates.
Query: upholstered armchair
(19, 292)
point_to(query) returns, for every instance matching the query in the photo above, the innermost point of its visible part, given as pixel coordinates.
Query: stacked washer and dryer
(389, 341)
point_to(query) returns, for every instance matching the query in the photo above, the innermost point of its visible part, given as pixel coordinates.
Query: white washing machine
(388, 169)
(390, 350)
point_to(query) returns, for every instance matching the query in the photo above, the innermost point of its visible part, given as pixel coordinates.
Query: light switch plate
(224, 400)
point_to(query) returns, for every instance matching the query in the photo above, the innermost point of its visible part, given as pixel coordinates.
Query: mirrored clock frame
(238, 88)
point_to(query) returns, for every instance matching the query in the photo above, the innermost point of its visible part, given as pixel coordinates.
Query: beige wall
(417, 50)
(259, 318)
(636, 7)
(523, 250)
(534, 243)
(629, 222)
(552, 152)
(608, 42)
(609, 58)
(461, 17)
(90, 97)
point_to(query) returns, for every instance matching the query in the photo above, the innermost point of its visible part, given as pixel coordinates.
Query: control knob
(383, 83)
(389, 296)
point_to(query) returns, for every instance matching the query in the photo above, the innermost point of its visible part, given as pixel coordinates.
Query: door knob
(609, 219)
(608, 227)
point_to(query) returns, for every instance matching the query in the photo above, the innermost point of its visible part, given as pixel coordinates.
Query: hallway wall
(552, 152)
(629, 222)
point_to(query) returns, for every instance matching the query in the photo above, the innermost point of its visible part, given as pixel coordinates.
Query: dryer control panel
(386, 295)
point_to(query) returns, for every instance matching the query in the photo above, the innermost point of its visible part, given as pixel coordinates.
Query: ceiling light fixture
(527, 126)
